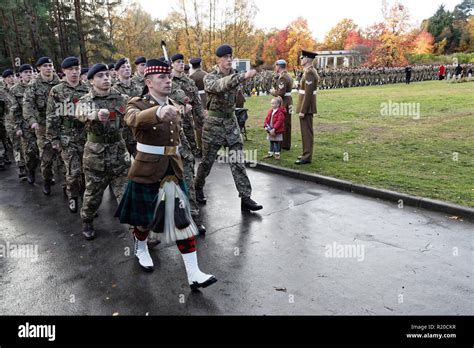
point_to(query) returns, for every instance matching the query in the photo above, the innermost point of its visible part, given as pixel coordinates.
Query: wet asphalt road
(274, 262)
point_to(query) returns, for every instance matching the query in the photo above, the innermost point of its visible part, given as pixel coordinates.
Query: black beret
(308, 54)
(177, 56)
(111, 66)
(222, 50)
(120, 62)
(195, 61)
(43, 60)
(140, 60)
(7, 72)
(84, 71)
(156, 66)
(24, 67)
(70, 61)
(95, 69)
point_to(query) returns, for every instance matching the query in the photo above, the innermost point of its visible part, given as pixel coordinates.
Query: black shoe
(30, 177)
(195, 286)
(200, 198)
(201, 229)
(300, 161)
(88, 230)
(249, 204)
(73, 202)
(22, 173)
(47, 187)
(53, 182)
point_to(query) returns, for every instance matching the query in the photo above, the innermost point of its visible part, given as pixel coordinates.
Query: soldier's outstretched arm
(85, 112)
(214, 84)
(140, 119)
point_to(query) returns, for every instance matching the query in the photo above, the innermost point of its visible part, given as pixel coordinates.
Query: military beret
(280, 62)
(24, 67)
(110, 66)
(308, 54)
(69, 62)
(95, 69)
(7, 72)
(195, 61)
(156, 66)
(222, 50)
(176, 57)
(120, 62)
(84, 71)
(140, 60)
(43, 60)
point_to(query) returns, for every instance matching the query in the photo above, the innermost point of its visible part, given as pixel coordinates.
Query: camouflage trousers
(198, 127)
(18, 150)
(30, 149)
(72, 158)
(237, 167)
(188, 177)
(129, 140)
(47, 155)
(96, 183)
(3, 142)
(188, 129)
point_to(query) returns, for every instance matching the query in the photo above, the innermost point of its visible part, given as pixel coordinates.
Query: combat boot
(31, 177)
(47, 187)
(200, 198)
(22, 173)
(88, 229)
(250, 204)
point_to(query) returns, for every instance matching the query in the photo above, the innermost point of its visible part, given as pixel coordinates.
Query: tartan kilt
(137, 206)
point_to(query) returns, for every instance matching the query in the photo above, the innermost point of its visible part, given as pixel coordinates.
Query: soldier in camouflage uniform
(34, 113)
(138, 77)
(64, 131)
(19, 128)
(8, 81)
(126, 85)
(3, 145)
(221, 127)
(106, 160)
(198, 77)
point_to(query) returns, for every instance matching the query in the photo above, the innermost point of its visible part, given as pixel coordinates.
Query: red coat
(441, 70)
(278, 120)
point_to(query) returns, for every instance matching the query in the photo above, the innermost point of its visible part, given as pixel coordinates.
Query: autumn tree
(337, 35)
(299, 37)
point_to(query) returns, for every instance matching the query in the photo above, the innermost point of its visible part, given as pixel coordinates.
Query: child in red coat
(275, 126)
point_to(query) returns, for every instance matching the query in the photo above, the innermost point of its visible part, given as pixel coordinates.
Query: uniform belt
(157, 150)
(221, 114)
(301, 91)
(72, 123)
(104, 139)
(288, 94)
(202, 92)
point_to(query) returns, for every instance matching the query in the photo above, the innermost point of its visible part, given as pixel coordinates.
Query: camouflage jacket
(191, 91)
(61, 122)
(139, 80)
(222, 89)
(36, 98)
(132, 90)
(111, 156)
(16, 110)
(198, 77)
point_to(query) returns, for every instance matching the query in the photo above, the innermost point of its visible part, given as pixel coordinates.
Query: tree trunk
(33, 22)
(82, 43)
(7, 39)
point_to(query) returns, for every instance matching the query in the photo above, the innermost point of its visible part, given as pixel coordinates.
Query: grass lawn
(432, 156)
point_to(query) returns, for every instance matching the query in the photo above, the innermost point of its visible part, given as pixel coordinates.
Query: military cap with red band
(156, 66)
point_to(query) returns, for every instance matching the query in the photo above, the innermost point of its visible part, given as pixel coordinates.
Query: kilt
(138, 203)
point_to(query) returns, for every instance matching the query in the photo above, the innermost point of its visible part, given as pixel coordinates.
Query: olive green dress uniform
(283, 86)
(307, 106)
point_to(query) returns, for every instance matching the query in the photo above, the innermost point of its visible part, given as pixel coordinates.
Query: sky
(321, 15)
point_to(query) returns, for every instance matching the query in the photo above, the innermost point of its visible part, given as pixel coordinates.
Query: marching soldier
(306, 107)
(20, 131)
(221, 127)
(126, 85)
(138, 78)
(64, 131)
(9, 80)
(106, 160)
(34, 113)
(198, 77)
(157, 176)
(283, 86)
(3, 135)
